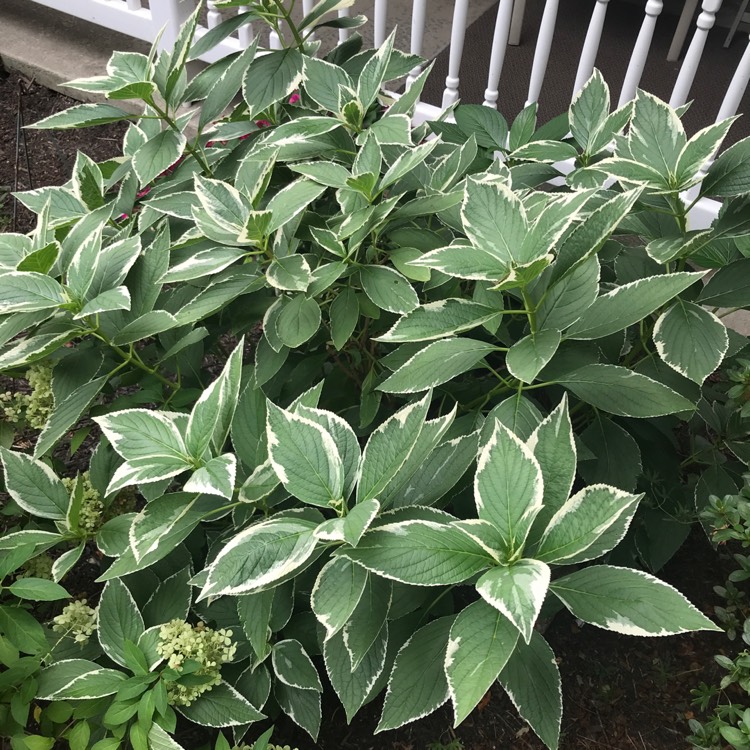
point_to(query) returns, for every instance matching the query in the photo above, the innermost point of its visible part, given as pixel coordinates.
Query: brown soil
(619, 693)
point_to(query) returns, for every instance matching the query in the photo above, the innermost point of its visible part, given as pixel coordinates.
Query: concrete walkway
(53, 47)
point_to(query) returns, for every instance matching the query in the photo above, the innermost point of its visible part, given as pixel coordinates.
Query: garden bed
(619, 692)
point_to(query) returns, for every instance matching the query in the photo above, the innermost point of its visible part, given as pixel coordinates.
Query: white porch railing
(134, 18)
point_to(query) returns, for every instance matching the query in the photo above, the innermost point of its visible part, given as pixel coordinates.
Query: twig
(20, 136)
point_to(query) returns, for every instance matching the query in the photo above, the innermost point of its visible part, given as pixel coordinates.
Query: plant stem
(196, 153)
(286, 15)
(132, 357)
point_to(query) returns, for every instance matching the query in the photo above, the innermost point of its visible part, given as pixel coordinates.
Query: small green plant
(728, 518)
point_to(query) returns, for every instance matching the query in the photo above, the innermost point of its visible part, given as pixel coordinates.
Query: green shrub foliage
(357, 395)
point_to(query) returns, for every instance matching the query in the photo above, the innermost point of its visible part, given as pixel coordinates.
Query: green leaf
(656, 135)
(481, 642)
(486, 124)
(517, 591)
(216, 477)
(729, 286)
(298, 321)
(291, 274)
(494, 220)
(417, 685)
(211, 416)
(508, 487)
(221, 706)
(590, 235)
(435, 364)
(270, 78)
(40, 261)
(422, 553)
(293, 666)
(618, 390)
(304, 457)
(355, 687)
(729, 175)
(82, 116)
(292, 200)
(464, 262)
(38, 590)
(262, 556)
(409, 160)
(336, 593)
(76, 679)
(629, 304)
(699, 149)
(23, 631)
(573, 532)
(553, 446)
(164, 523)
(523, 127)
(436, 320)
(158, 740)
(112, 299)
(691, 340)
(389, 447)
(25, 291)
(616, 456)
(142, 434)
(118, 620)
(519, 415)
(588, 110)
(229, 84)
(532, 680)
(388, 289)
(345, 439)
(344, 314)
(156, 154)
(34, 486)
(365, 627)
(146, 325)
(628, 601)
(528, 356)
(301, 706)
(170, 601)
(566, 300)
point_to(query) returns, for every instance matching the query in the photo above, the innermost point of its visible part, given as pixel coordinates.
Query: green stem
(530, 310)
(196, 153)
(132, 357)
(286, 15)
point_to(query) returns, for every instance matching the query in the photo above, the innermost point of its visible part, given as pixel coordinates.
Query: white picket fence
(135, 18)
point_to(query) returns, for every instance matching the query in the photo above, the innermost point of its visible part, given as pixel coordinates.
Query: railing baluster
(245, 33)
(380, 22)
(736, 88)
(213, 17)
(591, 45)
(497, 58)
(170, 15)
(706, 20)
(343, 33)
(134, 5)
(640, 51)
(458, 33)
(418, 14)
(543, 48)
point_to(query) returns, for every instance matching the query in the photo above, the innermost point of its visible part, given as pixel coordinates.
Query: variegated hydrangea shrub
(355, 396)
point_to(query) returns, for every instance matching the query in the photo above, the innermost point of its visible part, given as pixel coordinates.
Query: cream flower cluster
(38, 567)
(35, 407)
(91, 515)
(179, 641)
(78, 619)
